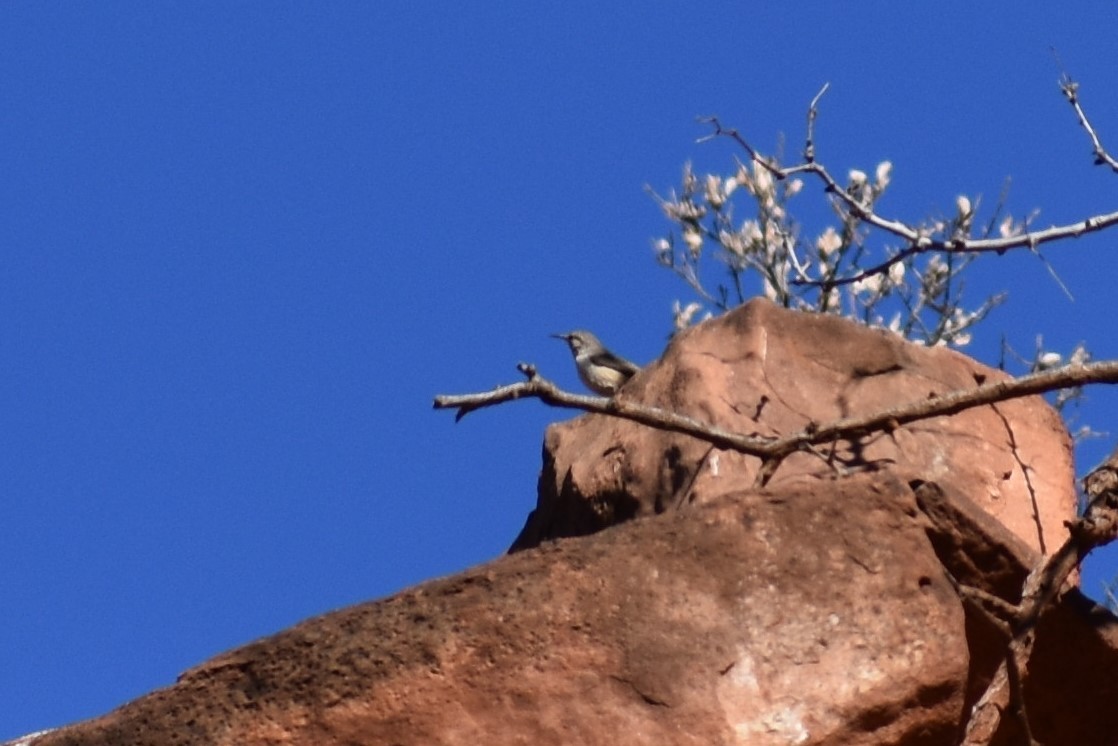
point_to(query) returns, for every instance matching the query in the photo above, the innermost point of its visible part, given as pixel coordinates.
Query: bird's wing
(613, 361)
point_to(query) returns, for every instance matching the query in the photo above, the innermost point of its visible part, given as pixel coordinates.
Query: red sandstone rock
(722, 625)
(816, 611)
(764, 370)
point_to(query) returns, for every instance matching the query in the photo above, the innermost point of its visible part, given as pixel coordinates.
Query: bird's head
(579, 340)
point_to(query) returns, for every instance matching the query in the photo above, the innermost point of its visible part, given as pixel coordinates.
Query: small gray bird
(602, 371)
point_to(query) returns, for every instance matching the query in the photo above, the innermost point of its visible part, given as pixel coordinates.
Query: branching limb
(540, 388)
(925, 244)
(951, 403)
(1098, 526)
(772, 451)
(917, 240)
(911, 235)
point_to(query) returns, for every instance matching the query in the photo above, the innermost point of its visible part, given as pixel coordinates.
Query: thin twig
(812, 113)
(1025, 472)
(917, 241)
(1070, 90)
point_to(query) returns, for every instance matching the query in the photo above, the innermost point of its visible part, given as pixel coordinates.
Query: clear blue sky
(244, 244)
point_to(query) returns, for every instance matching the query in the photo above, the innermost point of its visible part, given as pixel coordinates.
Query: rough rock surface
(764, 370)
(814, 611)
(1071, 684)
(721, 625)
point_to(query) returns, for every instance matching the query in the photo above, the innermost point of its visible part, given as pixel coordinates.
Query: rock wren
(602, 371)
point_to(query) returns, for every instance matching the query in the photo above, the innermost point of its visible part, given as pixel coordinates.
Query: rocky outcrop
(768, 371)
(817, 610)
(723, 625)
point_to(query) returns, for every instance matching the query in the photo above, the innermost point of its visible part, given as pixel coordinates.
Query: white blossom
(743, 178)
(936, 269)
(1008, 228)
(829, 242)
(963, 205)
(683, 211)
(871, 284)
(1048, 360)
(735, 243)
(772, 233)
(751, 230)
(896, 273)
(762, 180)
(793, 187)
(714, 194)
(857, 178)
(684, 316)
(883, 174)
(689, 179)
(693, 239)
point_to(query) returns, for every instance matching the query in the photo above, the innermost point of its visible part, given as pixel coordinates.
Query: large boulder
(765, 370)
(768, 617)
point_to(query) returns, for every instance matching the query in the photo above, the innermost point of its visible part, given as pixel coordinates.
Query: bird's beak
(564, 337)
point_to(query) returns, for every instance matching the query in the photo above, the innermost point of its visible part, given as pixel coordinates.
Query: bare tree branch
(1070, 90)
(1098, 526)
(772, 451)
(540, 388)
(917, 240)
